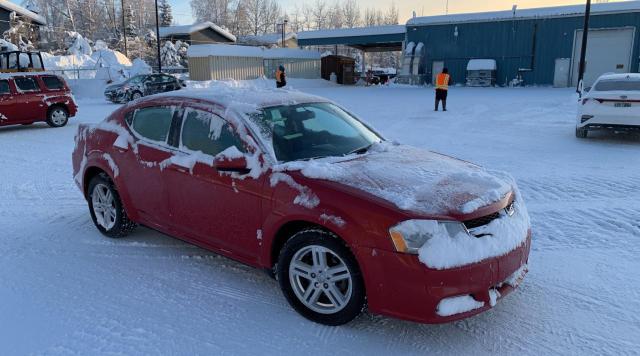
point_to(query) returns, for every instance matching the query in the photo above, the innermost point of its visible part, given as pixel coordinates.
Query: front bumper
(116, 96)
(400, 286)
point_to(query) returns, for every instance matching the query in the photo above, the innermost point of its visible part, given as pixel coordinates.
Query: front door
(7, 104)
(142, 165)
(211, 206)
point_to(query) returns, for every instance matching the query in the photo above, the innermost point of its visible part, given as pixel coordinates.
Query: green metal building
(539, 46)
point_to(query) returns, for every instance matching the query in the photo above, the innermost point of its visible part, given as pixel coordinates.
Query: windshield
(315, 130)
(618, 85)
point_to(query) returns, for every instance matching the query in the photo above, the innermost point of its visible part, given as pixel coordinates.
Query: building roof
(267, 39)
(353, 32)
(223, 50)
(543, 12)
(189, 29)
(9, 6)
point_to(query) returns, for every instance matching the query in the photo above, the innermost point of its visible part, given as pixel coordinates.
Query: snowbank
(10, 46)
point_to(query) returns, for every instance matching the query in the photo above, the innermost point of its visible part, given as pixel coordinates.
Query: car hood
(114, 87)
(413, 179)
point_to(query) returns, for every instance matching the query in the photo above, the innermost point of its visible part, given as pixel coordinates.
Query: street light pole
(284, 31)
(158, 39)
(583, 50)
(124, 29)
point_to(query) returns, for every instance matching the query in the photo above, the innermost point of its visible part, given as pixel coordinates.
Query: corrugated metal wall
(295, 68)
(511, 44)
(219, 68)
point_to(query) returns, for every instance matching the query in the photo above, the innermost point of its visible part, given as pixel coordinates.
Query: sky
(182, 9)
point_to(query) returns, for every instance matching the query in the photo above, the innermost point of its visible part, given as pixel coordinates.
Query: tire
(57, 116)
(110, 218)
(582, 133)
(135, 96)
(332, 298)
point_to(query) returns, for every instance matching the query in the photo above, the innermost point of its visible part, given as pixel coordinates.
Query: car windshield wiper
(361, 150)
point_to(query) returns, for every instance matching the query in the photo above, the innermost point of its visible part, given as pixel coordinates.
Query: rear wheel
(107, 211)
(320, 278)
(57, 116)
(581, 133)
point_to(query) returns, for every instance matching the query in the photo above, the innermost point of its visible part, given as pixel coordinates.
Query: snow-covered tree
(169, 55)
(182, 48)
(166, 16)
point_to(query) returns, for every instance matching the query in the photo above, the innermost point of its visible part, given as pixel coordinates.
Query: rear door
(142, 167)
(7, 103)
(29, 104)
(219, 210)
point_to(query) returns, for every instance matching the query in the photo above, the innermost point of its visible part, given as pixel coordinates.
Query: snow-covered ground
(65, 289)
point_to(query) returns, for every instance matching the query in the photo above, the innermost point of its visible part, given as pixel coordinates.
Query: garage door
(608, 51)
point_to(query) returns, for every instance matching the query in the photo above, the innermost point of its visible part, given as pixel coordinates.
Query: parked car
(613, 103)
(142, 85)
(298, 186)
(28, 98)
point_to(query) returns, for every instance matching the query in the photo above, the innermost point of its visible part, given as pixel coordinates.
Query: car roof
(27, 74)
(228, 97)
(619, 76)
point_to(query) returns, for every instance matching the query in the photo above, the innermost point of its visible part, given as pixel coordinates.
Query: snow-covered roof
(542, 12)
(224, 50)
(353, 32)
(188, 29)
(267, 39)
(620, 76)
(482, 64)
(228, 96)
(9, 6)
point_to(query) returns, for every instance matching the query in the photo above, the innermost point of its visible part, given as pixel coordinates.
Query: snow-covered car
(142, 85)
(298, 186)
(613, 103)
(27, 98)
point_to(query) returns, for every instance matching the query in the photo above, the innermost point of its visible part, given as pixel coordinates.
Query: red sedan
(298, 186)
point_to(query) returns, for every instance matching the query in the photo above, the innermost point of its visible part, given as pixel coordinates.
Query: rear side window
(618, 84)
(26, 84)
(153, 123)
(4, 87)
(53, 83)
(208, 133)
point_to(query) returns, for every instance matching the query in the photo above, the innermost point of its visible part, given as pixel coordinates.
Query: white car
(613, 103)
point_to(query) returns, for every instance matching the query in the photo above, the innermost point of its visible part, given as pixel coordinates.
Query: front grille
(481, 221)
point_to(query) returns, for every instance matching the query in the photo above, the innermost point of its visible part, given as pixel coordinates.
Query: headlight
(410, 235)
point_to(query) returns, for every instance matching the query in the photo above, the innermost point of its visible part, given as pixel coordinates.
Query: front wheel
(136, 95)
(320, 278)
(107, 211)
(57, 117)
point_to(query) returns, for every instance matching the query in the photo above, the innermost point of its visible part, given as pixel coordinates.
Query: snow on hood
(413, 179)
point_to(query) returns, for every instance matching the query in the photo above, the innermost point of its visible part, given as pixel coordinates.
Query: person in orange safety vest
(281, 77)
(443, 80)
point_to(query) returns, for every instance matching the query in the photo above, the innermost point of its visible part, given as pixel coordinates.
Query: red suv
(28, 98)
(298, 186)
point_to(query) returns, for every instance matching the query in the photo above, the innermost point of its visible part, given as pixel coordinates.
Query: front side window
(53, 83)
(26, 84)
(153, 123)
(208, 133)
(618, 85)
(135, 80)
(316, 130)
(4, 87)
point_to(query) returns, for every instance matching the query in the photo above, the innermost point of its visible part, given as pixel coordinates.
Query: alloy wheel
(104, 206)
(58, 117)
(320, 279)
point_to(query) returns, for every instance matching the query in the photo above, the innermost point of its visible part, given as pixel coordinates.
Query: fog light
(585, 118)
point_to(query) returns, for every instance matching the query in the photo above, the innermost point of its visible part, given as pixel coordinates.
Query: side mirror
(232, 164)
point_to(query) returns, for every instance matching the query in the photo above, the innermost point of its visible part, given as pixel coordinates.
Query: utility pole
(124, 29)
(284, 31)
(583, 50)
(158, 39)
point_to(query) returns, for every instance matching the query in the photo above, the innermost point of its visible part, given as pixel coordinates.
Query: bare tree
(335, 16)
(320, 14)
(351, 11)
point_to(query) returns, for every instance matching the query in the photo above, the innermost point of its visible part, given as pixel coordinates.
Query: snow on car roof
(228, 96)
(188, 29)
(619, 76)
(542, 12)
(22, 74)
